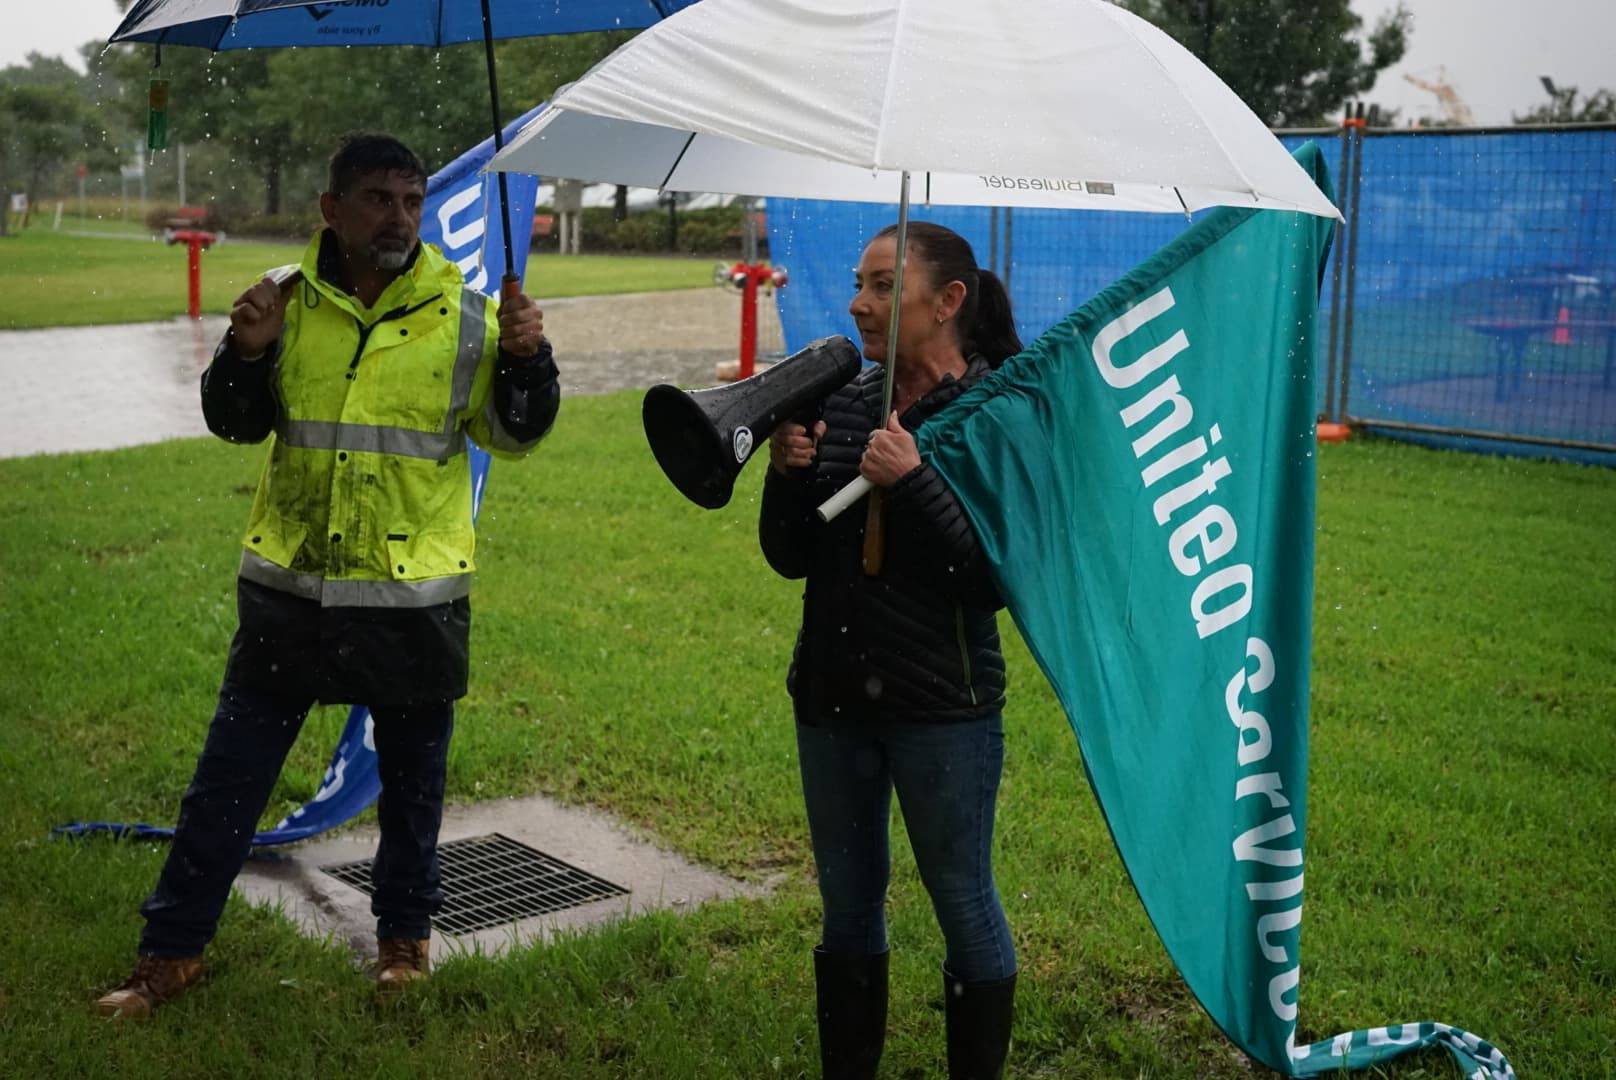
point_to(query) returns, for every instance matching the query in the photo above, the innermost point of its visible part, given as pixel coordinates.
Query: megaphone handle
(832, 508)
(874, 535)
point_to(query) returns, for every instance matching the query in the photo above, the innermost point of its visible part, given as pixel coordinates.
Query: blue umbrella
(257, 24)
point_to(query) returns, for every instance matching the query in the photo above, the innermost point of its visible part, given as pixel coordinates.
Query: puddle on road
(105, 387)
(101, 387)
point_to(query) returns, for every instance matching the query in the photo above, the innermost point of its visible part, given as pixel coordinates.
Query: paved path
(103, 387)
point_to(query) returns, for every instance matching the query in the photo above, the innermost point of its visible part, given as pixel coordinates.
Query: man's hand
(890, 456)
(792, 447)
(256, 318)
(521, 325)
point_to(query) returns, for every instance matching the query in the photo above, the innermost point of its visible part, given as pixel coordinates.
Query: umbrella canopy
(254, 24)
(1059, 103)
(1056, 103)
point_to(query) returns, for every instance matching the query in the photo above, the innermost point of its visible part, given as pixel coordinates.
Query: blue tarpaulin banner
(461, 217)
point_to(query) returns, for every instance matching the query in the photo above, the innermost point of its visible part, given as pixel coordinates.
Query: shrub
(160, 215)
(713, 231)
(644, 232)
(292, 224)
(701, 237)
(296, 224)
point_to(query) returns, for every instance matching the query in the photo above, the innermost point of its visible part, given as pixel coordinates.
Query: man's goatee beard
(388, 258)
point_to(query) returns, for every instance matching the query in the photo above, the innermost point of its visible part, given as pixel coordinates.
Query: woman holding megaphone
(898, 681)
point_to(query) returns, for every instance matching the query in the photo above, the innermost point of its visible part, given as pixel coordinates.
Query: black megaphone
(702, 438)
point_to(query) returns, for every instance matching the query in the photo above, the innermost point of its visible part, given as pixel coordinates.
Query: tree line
(259, 124)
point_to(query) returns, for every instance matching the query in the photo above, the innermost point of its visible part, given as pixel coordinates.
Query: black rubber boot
(852, 1009)
(978, 1016)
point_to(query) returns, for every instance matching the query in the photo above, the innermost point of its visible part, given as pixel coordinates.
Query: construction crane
(1454, 110)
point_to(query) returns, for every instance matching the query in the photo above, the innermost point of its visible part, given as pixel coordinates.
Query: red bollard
(193, 296)
(749, 325)
(748, 278)
(194, 240)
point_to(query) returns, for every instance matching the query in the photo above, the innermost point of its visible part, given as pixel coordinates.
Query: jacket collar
(932, 401)
(427, 272)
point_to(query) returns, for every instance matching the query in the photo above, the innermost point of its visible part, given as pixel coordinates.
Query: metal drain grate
(493, 880)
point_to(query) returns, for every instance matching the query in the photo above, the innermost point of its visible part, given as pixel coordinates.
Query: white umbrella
(1064, 103)
(1054, 103)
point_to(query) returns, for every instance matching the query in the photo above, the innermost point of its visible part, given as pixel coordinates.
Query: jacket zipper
(396, 313)
(965, 653)
(338, 554)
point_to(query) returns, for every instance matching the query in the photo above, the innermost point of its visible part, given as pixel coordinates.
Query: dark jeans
(246, 746)
(947, 779)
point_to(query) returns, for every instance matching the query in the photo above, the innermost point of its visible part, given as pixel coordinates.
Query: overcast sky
(1493, 50)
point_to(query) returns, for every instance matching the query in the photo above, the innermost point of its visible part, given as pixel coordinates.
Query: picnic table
(1510, 337)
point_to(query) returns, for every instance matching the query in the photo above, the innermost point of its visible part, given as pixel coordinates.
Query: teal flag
(1141, 479)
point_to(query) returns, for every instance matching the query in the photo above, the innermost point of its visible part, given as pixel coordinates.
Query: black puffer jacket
(917, 642)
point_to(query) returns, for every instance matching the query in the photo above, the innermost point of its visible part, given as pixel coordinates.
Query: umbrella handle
(510, 287)
(874, 534)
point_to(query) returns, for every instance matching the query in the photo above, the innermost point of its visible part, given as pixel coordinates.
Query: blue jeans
(246, 746)
(947, 780)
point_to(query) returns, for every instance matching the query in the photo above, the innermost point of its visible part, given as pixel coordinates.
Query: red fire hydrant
(194, 240)
(747, 278)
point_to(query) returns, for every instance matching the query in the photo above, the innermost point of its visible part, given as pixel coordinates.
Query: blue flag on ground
(461, 217)
(1142, 481)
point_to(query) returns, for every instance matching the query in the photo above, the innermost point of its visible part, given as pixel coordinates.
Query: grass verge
(57, 279)
(629, 654)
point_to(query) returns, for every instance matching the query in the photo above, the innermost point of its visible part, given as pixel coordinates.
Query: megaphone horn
(702, 438)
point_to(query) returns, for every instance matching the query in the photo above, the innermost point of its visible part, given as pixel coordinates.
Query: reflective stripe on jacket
(365, 498)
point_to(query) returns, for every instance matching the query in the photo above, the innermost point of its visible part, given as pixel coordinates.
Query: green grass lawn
(109, 224)
(629, 654)
(52, 279)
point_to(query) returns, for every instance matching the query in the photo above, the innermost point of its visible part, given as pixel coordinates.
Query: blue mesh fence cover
(1059, 258)
(1485, 286)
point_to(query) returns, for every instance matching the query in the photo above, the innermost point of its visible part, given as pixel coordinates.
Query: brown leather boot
(156, 981)
(400, 961)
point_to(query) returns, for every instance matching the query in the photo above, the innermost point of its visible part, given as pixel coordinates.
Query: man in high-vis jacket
(371, 365)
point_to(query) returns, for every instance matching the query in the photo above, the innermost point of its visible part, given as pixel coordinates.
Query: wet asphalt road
(104, 387)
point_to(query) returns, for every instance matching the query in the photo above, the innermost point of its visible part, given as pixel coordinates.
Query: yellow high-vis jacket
(365, 500)
(365, 497)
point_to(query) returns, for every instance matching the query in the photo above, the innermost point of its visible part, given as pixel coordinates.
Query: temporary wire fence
(1470, 300)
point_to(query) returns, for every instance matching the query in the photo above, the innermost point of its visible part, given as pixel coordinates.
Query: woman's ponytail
(993, 331)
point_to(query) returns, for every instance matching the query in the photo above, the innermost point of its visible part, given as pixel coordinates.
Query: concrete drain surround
(492, 880)
(642, 876)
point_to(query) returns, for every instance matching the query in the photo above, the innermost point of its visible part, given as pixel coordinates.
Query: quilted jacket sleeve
(787, 524)
(923, 506)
